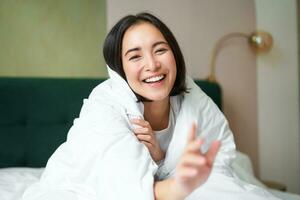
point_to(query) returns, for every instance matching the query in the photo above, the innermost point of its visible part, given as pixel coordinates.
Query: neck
(157, 113)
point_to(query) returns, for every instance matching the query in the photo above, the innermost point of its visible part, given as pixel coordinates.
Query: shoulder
(102, 105)
(201, 108)
(101, 90)
(103, 98)
(195, 99)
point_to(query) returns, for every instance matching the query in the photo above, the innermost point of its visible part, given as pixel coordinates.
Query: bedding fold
(103, 159)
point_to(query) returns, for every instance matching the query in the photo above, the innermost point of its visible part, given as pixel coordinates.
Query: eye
(134, 58)
(161, 51)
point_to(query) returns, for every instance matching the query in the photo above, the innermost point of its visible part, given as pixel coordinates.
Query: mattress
(15, 180)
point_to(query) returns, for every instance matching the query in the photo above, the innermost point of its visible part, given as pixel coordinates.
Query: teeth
(154, 79)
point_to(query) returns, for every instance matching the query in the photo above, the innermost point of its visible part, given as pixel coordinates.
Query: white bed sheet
(14, 181)
(242, 166)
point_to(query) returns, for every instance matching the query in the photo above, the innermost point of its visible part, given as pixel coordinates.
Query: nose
(152, 64)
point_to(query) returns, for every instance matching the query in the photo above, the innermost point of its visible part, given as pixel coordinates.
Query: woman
(136, 136)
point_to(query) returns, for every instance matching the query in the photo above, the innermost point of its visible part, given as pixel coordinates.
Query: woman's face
(148, 62)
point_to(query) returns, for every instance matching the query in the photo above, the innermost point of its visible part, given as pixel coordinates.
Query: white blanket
(102, 158)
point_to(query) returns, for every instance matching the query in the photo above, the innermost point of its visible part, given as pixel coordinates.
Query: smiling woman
(140, 134)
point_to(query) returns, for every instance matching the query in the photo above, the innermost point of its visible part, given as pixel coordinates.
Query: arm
(146, 136)
(165, 190)
(192, 170)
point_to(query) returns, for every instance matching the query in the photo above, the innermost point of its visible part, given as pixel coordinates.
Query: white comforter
(102, 158)
(13, 181)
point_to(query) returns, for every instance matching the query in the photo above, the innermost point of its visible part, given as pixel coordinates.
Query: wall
(52, 38)
(278, 97)
(198, 25)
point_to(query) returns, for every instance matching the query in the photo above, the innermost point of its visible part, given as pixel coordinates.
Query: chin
(157, 97)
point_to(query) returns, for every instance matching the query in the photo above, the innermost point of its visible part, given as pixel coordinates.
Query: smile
(154, 79)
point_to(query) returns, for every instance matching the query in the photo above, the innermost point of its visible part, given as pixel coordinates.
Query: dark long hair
(112, 49)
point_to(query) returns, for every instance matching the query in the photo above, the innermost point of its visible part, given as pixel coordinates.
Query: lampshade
(260, 41)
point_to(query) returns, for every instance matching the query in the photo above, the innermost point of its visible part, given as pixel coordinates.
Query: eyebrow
(159, 42)
(133, 49)
(138, 48)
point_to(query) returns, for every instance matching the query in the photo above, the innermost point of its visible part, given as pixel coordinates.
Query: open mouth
(155, 79)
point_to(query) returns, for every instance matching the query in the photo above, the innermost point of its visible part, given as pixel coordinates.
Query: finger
(140, 122)
(146, 138)
(147, 144)
(141, 131)
(187, 172)
(212, 152)
(195, 145)
(192, 133)
(193, 160)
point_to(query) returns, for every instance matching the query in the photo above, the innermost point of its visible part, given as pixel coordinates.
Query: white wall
(198, 24)
(278, 97)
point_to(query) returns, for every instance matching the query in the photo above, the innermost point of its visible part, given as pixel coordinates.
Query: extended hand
(146, 135)
(194, 167)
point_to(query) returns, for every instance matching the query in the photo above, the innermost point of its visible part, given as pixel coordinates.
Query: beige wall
(198, 25)
(52, 38)
(278, 95)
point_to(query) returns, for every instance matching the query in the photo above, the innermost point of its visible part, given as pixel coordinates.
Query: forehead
(141, 34)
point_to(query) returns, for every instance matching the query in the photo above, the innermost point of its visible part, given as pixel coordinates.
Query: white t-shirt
(164, 136)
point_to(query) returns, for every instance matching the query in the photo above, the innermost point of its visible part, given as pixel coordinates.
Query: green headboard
(36, 114)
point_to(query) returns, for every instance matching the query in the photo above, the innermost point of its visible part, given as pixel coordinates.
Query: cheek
(172, 65)
(132, 73)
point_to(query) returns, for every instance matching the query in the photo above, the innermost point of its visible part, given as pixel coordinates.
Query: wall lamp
(259, 42)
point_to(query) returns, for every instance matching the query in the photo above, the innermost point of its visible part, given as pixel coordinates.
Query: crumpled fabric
(102, 158)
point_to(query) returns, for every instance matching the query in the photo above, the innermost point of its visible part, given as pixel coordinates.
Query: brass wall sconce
(259, 42)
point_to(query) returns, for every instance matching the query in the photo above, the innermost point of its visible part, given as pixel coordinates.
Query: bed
(35, 116)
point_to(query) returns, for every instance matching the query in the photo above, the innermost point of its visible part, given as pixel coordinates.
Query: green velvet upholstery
(36, 114)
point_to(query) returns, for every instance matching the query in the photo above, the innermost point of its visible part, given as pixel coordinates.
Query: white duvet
(14, 181)
(102, 158)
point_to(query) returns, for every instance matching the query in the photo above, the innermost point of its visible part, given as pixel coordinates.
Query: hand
(146, 135)
(194, 167)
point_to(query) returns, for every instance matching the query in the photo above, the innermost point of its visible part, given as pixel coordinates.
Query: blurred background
(63, 38)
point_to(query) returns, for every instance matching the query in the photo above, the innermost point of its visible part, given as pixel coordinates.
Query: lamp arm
(215, 51)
